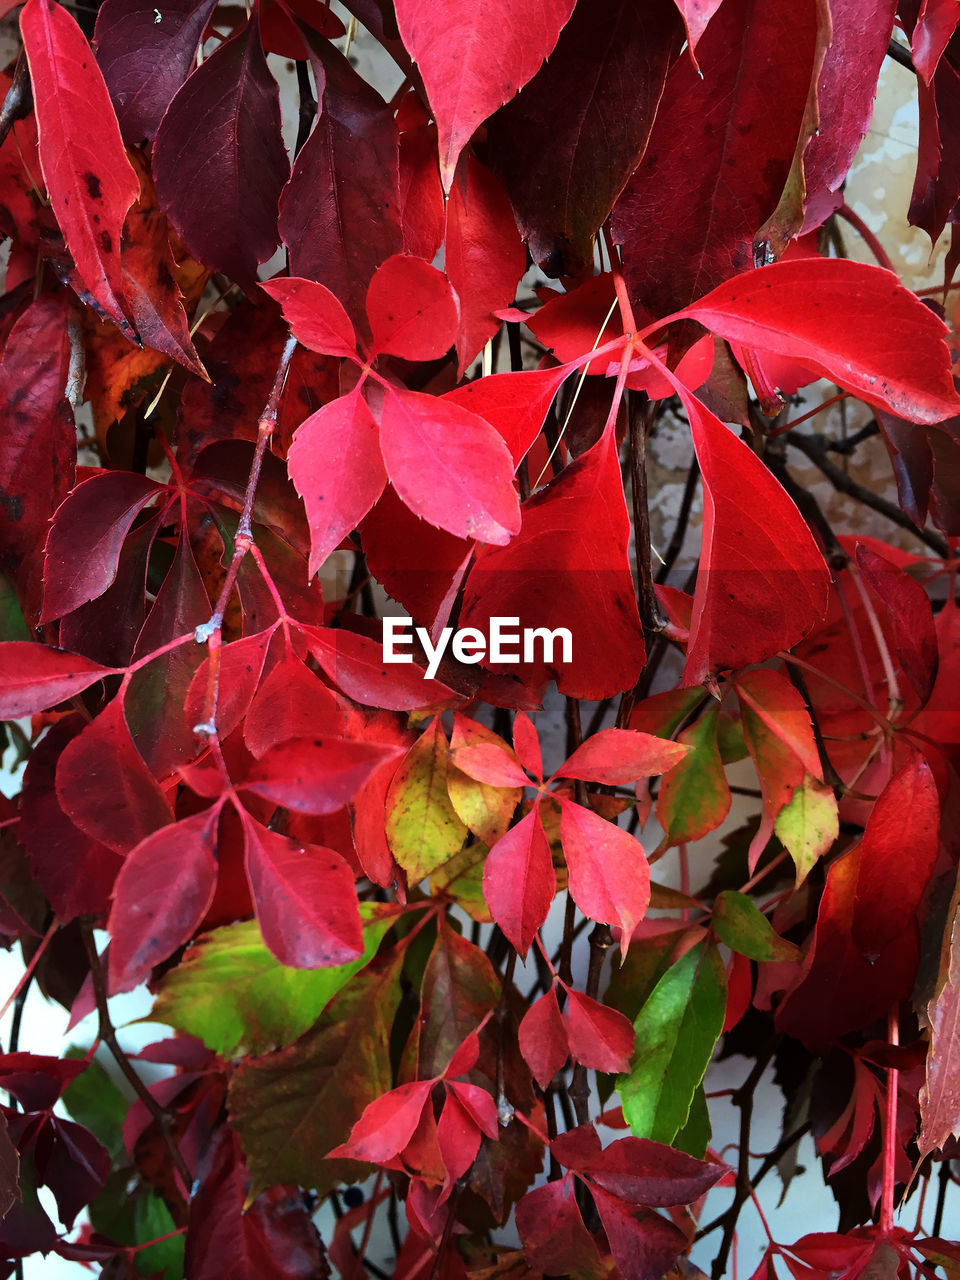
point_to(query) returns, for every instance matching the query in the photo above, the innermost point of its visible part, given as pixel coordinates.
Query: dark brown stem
(18, 103)
(898, 53)
(108, 1035)
(504, 1108)
(742, 1098)
(817, 451)
(769, 1162)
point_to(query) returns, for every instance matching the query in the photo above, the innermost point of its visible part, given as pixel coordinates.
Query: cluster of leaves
(327, 868)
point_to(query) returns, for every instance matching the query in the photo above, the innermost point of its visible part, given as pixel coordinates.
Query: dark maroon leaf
(717, 152)
(567, 143)
(340, 211)
(162, 893)
(219, 162)
(38, 445)
(97, 514)
(75, 871)
(104, 786)
(846, 87)
(274, 1237)
(644, 1245)
(143, 61)
(638, 1170)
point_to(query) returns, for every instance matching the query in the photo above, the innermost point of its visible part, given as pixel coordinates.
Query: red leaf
(617, 757)
(449, 466)
(465, 1058)
(519, 881)
(838, 990)
(636, 1169)
(936, 23)
(568, 567)
(814, 309)
(274, 1236)
(412, 308)
(34, 677)
(305, 900)
(104, 786)
(219, 163)
(38, 439)
(316, 775)
(483, 255)
(163, 891)
(90, 181)
(562, 147)
(417, 564)
(543, 1038)
(846, 88)
(490, 763)
(355, 664)
(696, 14)
(600, 1038)
(762, 583)
(515, 403)
(387, 1124)
(896, 861)
(554, 1237)
(315, 316)
(421, 195)
(292, 702)
(782, 709)
(144, 62)
(339, 213)
(479, 1105)
(526, 743)
(241, 665)
(458, 1138)
(476, 59)
(718, 152)
(608, 870)
(96, 515)
(644, 1245)
(911, 617)
(337, 469)
(75, 872)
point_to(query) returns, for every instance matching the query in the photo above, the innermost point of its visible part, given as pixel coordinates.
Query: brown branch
(817, 452)
(108, 1035)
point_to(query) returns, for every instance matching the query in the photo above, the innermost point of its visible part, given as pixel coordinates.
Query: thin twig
(816, 451)
(108, 1035)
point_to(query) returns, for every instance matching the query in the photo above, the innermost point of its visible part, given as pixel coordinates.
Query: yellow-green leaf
(423, 829)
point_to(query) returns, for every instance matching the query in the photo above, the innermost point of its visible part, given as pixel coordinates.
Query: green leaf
(676, 1031)
(738, 922)
(233, 994)
(423, 829)
(694, 796)
(293, 1106)
(809, 824)
(93, 1100)
(694, 1137)
(13, 625)
(152, 1219)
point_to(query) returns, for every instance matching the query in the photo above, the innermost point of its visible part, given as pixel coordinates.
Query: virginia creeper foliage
(257, 395)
